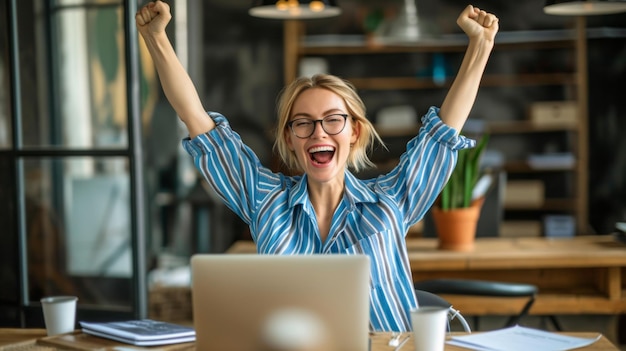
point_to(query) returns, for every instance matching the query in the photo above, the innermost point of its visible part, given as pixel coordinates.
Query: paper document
(519, 338)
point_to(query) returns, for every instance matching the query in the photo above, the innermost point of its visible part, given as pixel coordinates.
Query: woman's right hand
(153, 18)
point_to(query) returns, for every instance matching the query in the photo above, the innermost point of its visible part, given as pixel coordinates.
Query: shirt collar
(298, 194)
(356, 191)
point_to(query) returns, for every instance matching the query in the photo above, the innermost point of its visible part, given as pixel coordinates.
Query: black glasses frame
(320, 121)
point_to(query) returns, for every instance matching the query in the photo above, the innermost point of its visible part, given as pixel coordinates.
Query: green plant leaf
(468, 175)
(459, 175)
(445, 198)
(457, 193)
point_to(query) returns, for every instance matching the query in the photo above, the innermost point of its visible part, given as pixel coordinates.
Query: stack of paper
(520, 339)
(145, 332)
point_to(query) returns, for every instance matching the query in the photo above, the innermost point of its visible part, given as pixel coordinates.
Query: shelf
(493, 127)
(494, 80)
(404, 132)
(516, 127)
(548, 205)
(332, 44)
(511, 167)
(550, 62)
(359, 44)
(363, 48)
(520, 166)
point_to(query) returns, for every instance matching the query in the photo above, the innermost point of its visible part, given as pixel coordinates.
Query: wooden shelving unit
(573, 79)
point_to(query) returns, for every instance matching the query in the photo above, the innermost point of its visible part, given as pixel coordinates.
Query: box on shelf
(400, 116)
(170, 303)
(517, 229)
(524, 193)
(559, 226)
(554, 113)
(552, 160)
(309, 66)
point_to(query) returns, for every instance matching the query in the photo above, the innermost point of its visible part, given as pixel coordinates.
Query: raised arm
(151, 21)
(481, 28)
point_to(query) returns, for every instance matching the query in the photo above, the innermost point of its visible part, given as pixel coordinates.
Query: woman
(322, 132)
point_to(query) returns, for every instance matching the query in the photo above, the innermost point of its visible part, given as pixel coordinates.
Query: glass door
(71, 161)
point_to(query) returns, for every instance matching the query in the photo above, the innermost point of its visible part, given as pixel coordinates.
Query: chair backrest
(425, 298)
(482, 288)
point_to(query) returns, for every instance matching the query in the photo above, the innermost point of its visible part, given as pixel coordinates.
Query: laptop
(236, 296)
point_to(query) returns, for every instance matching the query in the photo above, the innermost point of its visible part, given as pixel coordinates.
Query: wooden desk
(580, 275)
(36, 340)
(13, 337)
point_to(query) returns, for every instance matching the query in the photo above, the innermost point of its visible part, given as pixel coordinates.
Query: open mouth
(321, 154)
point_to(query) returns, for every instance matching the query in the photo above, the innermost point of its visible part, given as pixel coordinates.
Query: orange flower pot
(456, 229)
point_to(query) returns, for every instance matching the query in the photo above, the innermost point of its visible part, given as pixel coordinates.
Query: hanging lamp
(584, 7)
(294, 9)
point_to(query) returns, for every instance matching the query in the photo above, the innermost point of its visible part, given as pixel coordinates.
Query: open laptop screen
(235, 295)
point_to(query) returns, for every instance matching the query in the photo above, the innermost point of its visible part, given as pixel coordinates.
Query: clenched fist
(153, 18)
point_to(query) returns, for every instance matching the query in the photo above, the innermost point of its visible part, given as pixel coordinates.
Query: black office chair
(425, 298)
(473, 287)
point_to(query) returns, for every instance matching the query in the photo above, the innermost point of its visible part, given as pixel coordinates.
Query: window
(70, 164)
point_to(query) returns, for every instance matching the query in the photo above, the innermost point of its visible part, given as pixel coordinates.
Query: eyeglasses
(331, 124)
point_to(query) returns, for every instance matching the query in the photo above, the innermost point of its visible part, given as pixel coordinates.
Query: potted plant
(458, 207)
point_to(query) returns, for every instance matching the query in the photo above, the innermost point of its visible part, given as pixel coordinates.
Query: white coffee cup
(59, 313)
(429, 328)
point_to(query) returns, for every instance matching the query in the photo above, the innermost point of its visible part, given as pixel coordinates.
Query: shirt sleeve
(425, 167)
(229, 166)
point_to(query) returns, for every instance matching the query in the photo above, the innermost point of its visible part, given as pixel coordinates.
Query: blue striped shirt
(372, 218)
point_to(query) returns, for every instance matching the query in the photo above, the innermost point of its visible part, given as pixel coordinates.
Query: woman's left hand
(477, 23)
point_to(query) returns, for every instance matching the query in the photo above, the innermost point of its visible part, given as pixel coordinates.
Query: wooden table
(36, 340)
(580, 275)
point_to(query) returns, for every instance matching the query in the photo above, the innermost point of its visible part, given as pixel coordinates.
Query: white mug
(429, 327)
(59, 313)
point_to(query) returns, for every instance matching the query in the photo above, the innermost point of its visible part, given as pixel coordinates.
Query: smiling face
(322, 156)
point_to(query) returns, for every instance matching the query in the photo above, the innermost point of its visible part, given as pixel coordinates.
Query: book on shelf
(142, 332)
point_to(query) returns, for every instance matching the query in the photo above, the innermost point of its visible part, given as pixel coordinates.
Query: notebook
(235, 296)
(141, 332)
